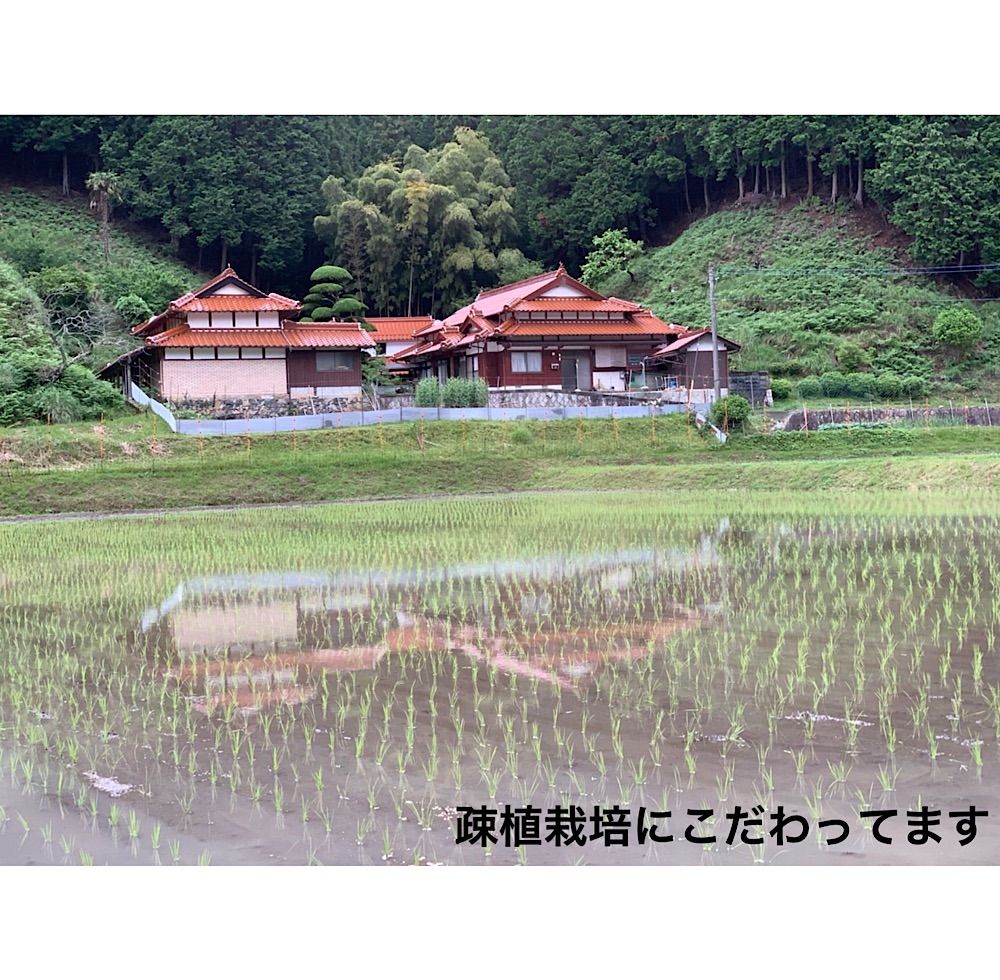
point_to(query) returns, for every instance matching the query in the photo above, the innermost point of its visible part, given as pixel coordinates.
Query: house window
(276, 353)
(251, 353)
(526, 361)
(610, 357)
(334, 360)
(229, 353)
(177, 353)
(204, 353)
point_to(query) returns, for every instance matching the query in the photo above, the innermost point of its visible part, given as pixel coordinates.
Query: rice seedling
(365, 643)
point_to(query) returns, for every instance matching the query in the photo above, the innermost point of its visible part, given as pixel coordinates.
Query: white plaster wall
(564, 290)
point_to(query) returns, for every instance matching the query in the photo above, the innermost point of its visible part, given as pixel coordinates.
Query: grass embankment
(780, 296)
(131, 463)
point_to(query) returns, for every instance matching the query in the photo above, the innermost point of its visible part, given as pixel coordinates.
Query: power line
(801, 271)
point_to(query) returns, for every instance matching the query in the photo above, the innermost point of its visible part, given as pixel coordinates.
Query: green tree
(427, 230)
(612, 253)
(105, 192)
(957, 327)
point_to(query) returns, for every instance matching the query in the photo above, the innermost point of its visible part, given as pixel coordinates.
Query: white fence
(137, 395)
(300, 423)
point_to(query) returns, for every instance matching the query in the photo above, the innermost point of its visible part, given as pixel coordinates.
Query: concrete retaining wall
(299, 423)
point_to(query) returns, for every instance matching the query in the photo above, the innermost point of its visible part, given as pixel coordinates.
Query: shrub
(32, 249)
(91, 392)
(810, 388)
(851, 355)
(889, 385)
(57, 405)
(781, 389)
(155, 285)
(521, 435)
(456, 393)
(427, 394)
(957, 327)
(730, 412)
(133, 309)
(16, 407)
(914, 386)
(833, 383)
(859, 385)
(322, 314)
(480, 394)
(63, 287)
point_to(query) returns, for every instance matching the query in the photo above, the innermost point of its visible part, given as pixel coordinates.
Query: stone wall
(752, 385)
(281, 405)
(957, 415)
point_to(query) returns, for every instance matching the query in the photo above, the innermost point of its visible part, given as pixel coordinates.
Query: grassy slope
(792, 323)
(39, 228)
(70, 225)
(129, 464)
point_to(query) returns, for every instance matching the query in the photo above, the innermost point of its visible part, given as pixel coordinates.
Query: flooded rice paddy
(333, 685)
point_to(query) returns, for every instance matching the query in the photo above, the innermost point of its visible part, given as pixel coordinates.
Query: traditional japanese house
(552, 331)
(393, 334)
(229, 339)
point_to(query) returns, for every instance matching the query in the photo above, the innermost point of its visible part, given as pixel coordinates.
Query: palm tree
(105, 191)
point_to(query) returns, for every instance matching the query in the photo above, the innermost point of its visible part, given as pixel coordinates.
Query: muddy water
(345, 715)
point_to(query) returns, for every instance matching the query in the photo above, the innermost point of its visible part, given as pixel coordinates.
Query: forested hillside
(66, 304)
(104, 218)
(247, 188)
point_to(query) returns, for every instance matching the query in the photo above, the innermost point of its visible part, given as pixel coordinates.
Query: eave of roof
(291, 334)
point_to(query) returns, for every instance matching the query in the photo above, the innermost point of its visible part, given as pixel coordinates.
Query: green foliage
(479, 394)
(133, 309)
(521, 435)
(32, 248)
(833, 384)
(889, 385)
(958, 327)
(851, 356)
(612, 253)
(731, 412)
(810, 387)
(374, 373)
(63, 287)
(914, 386)
(781, 389)
(348, 306)
(857, 384)
(456, 393)
(425, 230)
(321, 314)
(427, 393)
(331, 274)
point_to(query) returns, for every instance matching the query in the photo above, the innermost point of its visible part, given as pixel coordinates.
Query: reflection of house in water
(254, 640)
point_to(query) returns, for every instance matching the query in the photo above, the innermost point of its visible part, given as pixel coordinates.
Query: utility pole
(715, 332)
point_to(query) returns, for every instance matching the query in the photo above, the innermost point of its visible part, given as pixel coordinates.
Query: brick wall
(180, 379)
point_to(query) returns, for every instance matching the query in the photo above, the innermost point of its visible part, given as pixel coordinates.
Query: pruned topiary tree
(324, 301)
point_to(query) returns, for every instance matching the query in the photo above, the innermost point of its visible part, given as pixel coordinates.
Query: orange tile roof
(552, 304)
(234, 303)
(595, 328)
(309, 335)
(398, 327)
